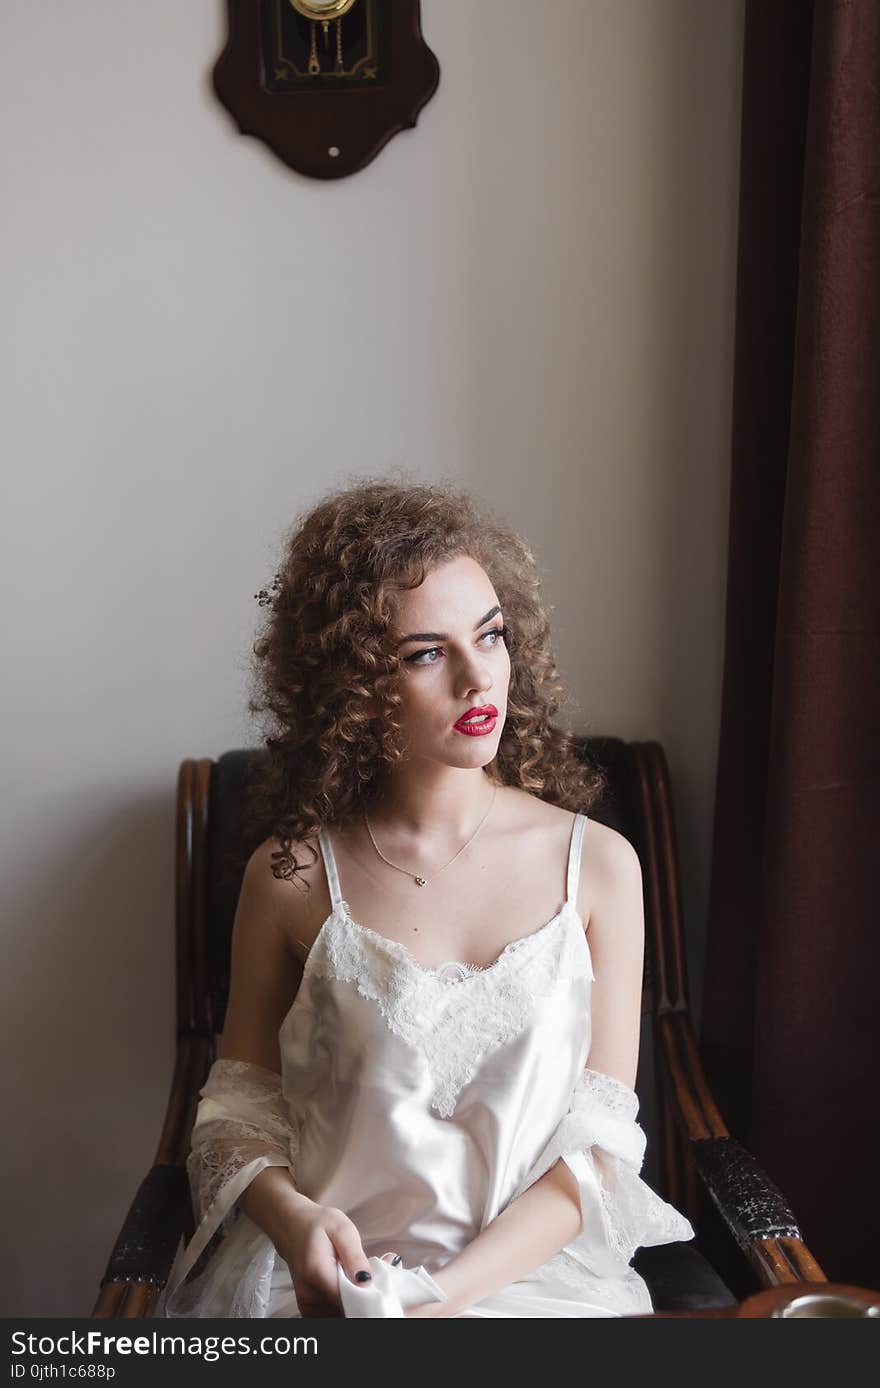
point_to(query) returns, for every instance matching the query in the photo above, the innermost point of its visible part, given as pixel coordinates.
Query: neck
(426, 801)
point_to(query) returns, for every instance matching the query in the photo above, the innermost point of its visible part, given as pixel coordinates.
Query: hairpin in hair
(267, 596)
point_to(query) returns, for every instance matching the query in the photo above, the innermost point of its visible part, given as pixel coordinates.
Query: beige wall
(532, 291)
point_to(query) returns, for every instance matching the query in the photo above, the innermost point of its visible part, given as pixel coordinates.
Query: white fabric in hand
(390, 1292)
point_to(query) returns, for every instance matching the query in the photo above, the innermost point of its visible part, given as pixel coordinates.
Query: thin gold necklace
(423, 881)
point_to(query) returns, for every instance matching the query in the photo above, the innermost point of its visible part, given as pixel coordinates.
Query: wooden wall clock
(325, 83)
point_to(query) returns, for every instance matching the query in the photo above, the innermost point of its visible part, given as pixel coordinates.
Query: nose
(475, 676)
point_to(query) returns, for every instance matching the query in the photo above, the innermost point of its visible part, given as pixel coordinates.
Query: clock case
(331, 124)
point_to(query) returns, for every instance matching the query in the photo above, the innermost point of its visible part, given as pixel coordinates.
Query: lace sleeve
(242, 1126)
(241, 1118)
(604, 1146)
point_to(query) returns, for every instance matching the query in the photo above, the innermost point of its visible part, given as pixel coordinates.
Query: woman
(424, 1099)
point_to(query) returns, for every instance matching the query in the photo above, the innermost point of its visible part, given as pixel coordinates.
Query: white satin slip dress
(422, 1101)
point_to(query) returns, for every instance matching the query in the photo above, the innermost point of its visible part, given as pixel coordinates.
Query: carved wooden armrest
(751, 1205)
(138, 1268)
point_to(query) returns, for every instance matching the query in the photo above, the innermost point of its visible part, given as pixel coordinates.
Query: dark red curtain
(791, 999)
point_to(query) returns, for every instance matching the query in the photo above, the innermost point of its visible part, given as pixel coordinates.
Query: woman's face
(454, 660)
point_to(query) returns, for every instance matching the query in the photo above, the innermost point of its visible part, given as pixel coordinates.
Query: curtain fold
(789, 1026)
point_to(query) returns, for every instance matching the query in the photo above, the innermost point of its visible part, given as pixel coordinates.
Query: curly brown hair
(327, 651)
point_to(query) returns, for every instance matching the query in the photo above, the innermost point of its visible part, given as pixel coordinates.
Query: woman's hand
(316, 1238)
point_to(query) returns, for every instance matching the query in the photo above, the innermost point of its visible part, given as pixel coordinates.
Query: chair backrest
(209, 833)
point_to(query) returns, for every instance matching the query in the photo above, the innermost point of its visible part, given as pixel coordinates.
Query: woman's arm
(525, 1234)
(264, 980)
(264, 974)
(547, 1216)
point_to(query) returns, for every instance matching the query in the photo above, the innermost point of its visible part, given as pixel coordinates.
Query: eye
(497, 632)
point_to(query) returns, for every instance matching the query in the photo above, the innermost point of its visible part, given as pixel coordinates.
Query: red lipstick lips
(477, 721)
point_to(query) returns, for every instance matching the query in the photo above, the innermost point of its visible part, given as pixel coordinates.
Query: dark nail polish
(363, 1276)
(397, 1260)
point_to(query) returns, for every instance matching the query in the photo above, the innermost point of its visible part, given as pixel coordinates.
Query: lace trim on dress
(452, 1021)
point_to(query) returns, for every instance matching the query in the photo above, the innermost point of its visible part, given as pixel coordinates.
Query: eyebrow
(441, 635)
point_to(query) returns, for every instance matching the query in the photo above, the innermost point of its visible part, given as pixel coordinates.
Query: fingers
(314, 1299)
(316, 1282)
(350, 1252)
(318, 1294)
(392, 1257)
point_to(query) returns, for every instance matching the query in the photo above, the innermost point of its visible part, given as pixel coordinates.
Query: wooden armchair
(747, 1236)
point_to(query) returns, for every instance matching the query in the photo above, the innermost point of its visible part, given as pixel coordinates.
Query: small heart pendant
(421, 882)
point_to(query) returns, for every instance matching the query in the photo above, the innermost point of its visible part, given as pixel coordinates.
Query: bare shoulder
(611, 881)
(269, 856)
(292, 905)
(273, 915)
(610, 870)
(530, 812)
(608, 857)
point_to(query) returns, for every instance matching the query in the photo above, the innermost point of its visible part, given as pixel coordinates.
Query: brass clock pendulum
(315, 11)
(314, 61)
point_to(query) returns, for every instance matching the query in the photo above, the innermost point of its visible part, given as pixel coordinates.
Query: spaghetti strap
(574, 858)
(330, 867)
